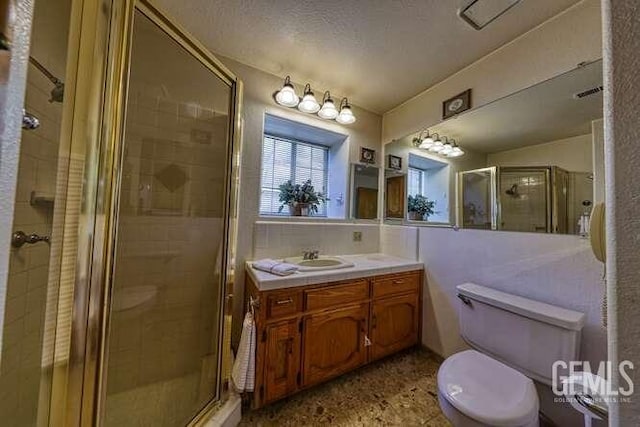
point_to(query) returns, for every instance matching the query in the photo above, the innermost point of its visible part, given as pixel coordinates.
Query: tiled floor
(398, 391)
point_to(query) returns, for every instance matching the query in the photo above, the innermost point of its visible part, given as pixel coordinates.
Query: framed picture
(367, 155)
(456, 104)
(394, 162)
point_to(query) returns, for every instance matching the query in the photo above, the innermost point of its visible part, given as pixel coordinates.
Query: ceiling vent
(480, 13)
(588, 92)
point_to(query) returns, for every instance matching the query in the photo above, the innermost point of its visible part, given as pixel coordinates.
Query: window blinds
(415, 177)
(283, 160)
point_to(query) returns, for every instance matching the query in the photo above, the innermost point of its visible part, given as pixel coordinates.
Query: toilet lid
(487, 390)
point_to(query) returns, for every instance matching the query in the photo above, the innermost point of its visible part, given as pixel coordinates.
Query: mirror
(532, 161)
(364, 191)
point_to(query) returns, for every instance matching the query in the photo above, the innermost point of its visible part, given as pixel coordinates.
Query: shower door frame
(80, 392)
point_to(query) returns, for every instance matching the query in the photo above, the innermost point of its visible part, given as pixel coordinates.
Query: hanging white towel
(244, 367)
(275, 267)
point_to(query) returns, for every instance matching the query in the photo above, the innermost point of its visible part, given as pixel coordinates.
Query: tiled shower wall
(23, 359)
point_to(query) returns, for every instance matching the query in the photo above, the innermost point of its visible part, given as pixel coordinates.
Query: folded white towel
(243, 373)
(275, 267)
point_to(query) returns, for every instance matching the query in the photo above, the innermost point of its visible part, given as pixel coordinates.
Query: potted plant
(420, 208)
(288, 198)
(302, 200)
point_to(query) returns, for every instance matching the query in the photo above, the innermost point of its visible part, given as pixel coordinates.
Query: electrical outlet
(357, 236)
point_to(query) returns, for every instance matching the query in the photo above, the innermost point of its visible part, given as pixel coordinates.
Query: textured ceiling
(378, 52)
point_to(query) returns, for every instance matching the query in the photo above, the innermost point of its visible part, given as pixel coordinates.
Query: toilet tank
(525, 334)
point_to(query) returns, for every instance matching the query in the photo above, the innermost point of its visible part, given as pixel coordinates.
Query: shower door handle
(19, 238)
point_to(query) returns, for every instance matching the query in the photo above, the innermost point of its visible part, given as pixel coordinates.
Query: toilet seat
(487, 390)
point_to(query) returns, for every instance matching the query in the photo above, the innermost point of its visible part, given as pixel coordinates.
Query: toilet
(515, 340)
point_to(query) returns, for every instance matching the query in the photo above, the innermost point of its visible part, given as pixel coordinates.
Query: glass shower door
(477, 203)
(163, 354)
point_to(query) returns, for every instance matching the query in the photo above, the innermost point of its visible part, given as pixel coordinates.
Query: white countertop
(365, 265)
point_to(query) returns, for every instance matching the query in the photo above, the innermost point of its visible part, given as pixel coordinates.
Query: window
(415, 181)
(287, 159)
(430, 178)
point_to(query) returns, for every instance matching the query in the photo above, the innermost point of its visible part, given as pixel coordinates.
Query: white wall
(554, 47)
(283, 239)
(572, 154)
(621, 134)
(258, 89)
(555, 269)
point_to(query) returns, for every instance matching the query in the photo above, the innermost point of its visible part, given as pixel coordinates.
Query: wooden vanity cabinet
(282, 359)
(334, 343)
(310, 334)
(394, 324)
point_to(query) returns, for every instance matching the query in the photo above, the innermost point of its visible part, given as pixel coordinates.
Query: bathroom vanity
(314, 326)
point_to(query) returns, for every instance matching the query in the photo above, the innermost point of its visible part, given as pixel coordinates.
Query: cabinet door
(334, 343)
(282, 360)
(394, 324)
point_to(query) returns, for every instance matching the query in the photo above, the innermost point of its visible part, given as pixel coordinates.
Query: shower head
(57, 93)
(513, 191)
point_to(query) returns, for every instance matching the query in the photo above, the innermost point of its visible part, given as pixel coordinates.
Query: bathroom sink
(320, 263)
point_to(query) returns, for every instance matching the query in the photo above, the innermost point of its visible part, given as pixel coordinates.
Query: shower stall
(134, 253)
(538, 199)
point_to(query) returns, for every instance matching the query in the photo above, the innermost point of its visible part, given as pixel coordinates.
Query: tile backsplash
(282, 239)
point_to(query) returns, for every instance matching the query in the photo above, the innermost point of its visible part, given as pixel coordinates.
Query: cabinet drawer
(283, 303)
(396, 284)
(336, 295)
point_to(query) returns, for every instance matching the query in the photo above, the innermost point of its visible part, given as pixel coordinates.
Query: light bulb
(437, 146)
(308, 103)
(287, 95)
(446, 148)
(456, 152)
(328, 110)
(426, 143)
(346, 116)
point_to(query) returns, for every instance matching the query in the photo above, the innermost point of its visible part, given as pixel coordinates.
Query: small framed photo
(394, 162)
(456, 104)
(367, 155)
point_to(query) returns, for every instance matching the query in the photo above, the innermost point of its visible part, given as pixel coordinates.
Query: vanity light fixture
(427, 141)
(447, 147)
(456, 151)
(328, 110)
(433, 143)
(346, 116)
(287, 95)
(309, 104)
(437, 145)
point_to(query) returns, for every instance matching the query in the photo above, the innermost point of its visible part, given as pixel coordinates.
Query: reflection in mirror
(477, 198)
(394, 195)
(364, 191)
(427, 189)
(533, 160)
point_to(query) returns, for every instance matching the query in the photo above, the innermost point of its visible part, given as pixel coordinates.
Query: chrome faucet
(309, 255)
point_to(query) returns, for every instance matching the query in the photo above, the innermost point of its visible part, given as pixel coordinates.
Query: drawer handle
(398, 282)
(284, 301)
